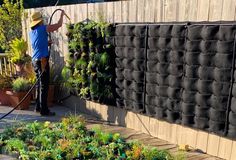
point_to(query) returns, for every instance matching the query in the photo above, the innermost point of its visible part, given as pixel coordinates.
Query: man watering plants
(40, 57)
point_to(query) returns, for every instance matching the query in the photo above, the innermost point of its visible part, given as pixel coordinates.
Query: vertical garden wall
(179, 72)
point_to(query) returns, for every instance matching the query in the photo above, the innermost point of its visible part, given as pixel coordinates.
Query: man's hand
(54, 27)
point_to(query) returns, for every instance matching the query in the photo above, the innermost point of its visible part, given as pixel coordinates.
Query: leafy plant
(10, 22)
(5, 81)
(20, 85)
(17, 54)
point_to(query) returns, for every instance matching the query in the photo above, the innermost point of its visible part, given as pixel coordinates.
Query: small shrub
(20, 85)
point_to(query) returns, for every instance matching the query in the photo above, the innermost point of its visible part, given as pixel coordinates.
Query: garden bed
(70, 139)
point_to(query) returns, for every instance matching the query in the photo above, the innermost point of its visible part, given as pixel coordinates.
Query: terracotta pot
(51, 95)
(4, 98)
(16, 97)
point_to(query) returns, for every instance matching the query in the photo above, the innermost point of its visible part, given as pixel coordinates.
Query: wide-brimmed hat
(36, 18)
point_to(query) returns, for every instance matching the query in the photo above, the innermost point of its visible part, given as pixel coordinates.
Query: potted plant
(20, 87)
(18, 56)
(5, 84)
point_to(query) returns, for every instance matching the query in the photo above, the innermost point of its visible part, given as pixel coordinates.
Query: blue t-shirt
(39, 42)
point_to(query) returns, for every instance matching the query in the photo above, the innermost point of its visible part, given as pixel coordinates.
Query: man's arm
(54, 27)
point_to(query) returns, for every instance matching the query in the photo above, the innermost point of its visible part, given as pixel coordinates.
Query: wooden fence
(6, 67)
(134, 11)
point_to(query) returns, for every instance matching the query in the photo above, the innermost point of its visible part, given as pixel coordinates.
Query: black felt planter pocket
(128, 64)
(151, 89)
(225, 47)
(138, 87)
(223, 60)
(138, 76)
(164, 43)
(232, 118)
(176, 70)
(120, 29)
(189, 97)
(120, 41)
(152, 77)
(194, 31)
(208, 46)
(201, 123)
(209, 32)
(218, 116)
(204, 87)
(129, 41)
(162, 91)
(232, 131)
(202, 111)
(153, 42)
(190, 84)
(173, 105)
(174, 81)
(206, 73)
(129, 30)
(221, 88)
(191, 71)
(119, 63)
(162, 102)
(163, 68)
(119, 52)
(226, 32)
(128, 74)
(152, 66)
(120, 83)
(129, 53)
(206, 59)
(188, 108)
(217, 127)
(150, 110)
(203, 99)
(172, 116)
(153, 30)
(177, 43)
(193, 46)
(174, 93)
(138, 65)
(139, 53)
(160, 113)
(128, 94)
(139, 42)
(222, 75)
(152, 54)
(192, 58)
(151, 100)
(176, 56)
(219, 102)
(165, 30)
(140, 30)
(187, 120)
(163, 56)
(119, 73)
(138, 97)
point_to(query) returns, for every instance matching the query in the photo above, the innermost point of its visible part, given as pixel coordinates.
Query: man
(39, 42)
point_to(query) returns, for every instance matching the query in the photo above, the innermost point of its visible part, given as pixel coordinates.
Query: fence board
(125, 11)
(133, 10)
(171, 10)
(117, 12)
(149, 10)
(140, 8)
(228, 10)
(215, 11)
(203, 10)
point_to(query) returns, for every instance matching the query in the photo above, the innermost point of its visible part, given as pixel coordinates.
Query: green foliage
(5, 81)
(17, 54)
(90, 61)
(20, 85)
(70, 139)
(10, 22)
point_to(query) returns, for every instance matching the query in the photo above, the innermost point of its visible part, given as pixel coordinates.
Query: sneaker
(49, 113)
